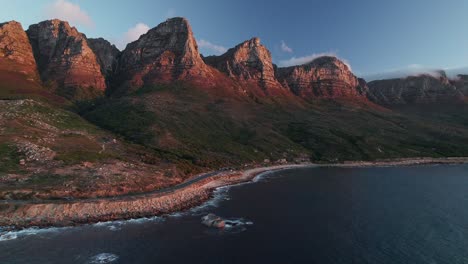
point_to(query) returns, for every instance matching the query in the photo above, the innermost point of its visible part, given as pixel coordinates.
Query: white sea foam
(236, 225)
(15, 234)
(114, 228)
(103, 258)
(177, 214)
(221, 194)
(117, 225)
(143, 220)
(8, 236)
(265, 175)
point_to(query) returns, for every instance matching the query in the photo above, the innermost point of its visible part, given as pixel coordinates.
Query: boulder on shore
(212, 220)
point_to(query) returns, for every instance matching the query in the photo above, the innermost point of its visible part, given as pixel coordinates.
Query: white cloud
(306, 59)
(216, 49)
(132, 34)
(285, 47)
(452, 72)
(70, 12)
(403, 72)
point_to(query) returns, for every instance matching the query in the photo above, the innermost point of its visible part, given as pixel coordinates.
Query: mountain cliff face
(249, 62)
(106, 54)
(423, 89)
(15, 52)
(65, 59)
(324, 77)
(164, 54)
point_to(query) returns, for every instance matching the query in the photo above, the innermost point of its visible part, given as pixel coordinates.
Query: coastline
(69, 213)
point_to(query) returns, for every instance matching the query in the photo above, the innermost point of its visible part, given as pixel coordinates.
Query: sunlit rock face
(15, 51)
(164, 54)
(64, 58)
(249, 62)
(324, 77)
(422, 89)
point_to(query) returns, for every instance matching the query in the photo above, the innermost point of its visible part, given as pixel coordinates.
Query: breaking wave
(221, 194)
(6, 235)
(236, 225)
(103, 258)
(117, 225)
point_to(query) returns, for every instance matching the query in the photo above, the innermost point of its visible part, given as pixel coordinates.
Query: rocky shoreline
(69, 213)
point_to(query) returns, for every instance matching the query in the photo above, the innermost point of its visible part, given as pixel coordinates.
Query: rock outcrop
(212, 220)
(461, 82)
(106, 54)
(324, 77)
(249, 62)
(16, 53)
(166, 53)
(65, 60)
(422, 89)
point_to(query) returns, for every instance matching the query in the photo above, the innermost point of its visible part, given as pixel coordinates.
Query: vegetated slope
(48, 152)
(206, 130)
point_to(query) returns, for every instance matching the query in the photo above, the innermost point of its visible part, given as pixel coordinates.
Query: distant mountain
(422, 89)
(324, 77)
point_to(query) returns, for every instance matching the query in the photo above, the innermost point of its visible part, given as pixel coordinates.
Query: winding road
(162, 191)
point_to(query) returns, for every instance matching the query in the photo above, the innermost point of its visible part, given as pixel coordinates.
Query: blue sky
(373, 36)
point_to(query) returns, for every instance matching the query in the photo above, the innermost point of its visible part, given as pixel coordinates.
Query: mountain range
(158, 111)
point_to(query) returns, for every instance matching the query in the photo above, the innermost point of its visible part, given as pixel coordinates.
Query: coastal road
(162, 191)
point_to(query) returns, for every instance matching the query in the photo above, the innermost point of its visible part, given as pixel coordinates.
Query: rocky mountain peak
(165, 53)
(65, 59)
(250, 62)
(15, 51)
(253, 42)
(328, 61)
(325, 77)
(12, 26)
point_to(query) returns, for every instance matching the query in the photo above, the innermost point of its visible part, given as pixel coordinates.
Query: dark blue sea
(416, 214)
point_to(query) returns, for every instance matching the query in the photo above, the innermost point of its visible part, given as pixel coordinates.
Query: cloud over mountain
(70, 12)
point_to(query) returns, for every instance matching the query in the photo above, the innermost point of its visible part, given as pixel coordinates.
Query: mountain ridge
(68, 61)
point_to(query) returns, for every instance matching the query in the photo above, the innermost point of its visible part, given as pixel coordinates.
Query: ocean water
(416, 214)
